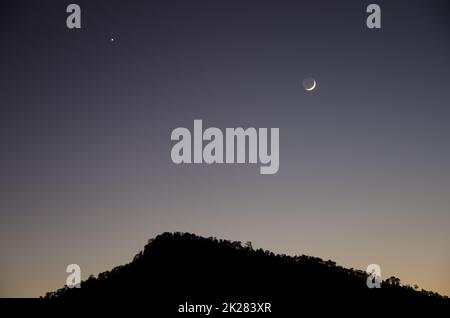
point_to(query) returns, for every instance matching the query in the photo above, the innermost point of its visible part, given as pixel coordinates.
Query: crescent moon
(312, 87)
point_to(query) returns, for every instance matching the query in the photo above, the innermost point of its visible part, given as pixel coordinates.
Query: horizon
(248, 244)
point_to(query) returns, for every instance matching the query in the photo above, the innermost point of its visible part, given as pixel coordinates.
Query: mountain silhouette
(175, 268)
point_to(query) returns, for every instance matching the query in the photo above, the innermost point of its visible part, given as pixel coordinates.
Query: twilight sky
(85, 170)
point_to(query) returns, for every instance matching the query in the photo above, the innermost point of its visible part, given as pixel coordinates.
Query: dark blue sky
(85, 123)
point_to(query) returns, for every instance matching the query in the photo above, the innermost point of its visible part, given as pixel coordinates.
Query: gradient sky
(85, 170)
